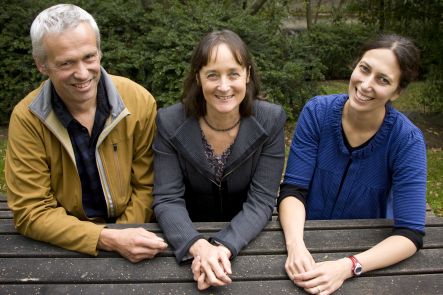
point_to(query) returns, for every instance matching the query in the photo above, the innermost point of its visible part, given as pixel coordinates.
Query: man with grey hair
(79, 149)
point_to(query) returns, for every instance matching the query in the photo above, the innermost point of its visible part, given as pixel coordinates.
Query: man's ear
(41, 67)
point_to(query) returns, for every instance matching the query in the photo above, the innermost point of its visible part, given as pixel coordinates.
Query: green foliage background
(151, 42)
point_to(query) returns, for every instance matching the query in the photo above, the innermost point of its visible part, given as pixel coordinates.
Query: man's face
(73, 65)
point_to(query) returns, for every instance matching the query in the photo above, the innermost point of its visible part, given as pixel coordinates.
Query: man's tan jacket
(43, 185)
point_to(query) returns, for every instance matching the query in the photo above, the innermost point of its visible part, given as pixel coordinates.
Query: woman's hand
(299, 260)
(211, 264)
(326, 277)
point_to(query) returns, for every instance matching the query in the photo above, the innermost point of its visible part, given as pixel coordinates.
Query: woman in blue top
(354, 156)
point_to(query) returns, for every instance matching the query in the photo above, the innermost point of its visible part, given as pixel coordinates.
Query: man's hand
(211, 264)
(135, 244)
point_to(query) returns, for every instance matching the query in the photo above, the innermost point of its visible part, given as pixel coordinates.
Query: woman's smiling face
(374, 81)
(223, 81)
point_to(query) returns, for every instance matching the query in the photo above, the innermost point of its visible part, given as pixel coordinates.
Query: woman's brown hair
(192, 95)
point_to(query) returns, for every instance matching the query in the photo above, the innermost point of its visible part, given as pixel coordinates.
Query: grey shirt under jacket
(185, 189)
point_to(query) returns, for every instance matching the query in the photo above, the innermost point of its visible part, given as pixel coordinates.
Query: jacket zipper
(341, 186)
(117, 166)
(101, 170)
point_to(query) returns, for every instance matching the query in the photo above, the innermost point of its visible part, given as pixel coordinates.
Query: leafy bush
(151, 42)
(432, 100)
(18, 75)
(336, 46)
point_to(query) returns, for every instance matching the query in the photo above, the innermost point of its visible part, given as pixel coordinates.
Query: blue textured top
(386, 178)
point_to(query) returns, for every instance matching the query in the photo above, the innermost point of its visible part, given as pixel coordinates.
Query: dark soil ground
(432, 127)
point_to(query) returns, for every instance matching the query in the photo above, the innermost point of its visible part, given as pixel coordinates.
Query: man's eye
(64, 65)
(91, 57)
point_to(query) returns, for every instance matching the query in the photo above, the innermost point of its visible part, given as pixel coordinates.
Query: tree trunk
(308, 14)
(381, 16)
(318, 11)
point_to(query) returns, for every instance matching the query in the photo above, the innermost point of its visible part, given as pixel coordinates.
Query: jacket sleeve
(262, 193)
(169, 204)
(139, 207)
(302, 158)
(30, 197)
(409, 182)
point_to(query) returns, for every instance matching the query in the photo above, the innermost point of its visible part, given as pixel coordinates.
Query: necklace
(221, 130)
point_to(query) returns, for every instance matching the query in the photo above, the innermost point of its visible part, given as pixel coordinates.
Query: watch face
(358, 270)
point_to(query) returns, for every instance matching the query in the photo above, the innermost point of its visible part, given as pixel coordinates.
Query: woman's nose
(223, 84)
(366, 83)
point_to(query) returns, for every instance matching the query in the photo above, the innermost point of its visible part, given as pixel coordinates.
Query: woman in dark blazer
(218, 157)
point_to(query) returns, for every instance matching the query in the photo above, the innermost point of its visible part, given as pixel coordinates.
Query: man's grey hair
(57, 19)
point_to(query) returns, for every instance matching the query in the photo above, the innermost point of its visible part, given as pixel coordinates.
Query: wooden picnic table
(32, 267)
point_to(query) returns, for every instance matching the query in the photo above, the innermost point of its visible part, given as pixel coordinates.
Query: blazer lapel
(187, 139)
(249, 137)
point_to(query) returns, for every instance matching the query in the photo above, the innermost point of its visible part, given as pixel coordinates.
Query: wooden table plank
(272, 225)
(165, 269)
(29, 267)
(5, 214)
(268, 242)
(402, 285)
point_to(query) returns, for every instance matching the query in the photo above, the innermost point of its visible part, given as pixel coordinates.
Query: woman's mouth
(361, 97)
(224, 97)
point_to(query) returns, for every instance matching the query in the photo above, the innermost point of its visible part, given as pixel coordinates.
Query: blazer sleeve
(262, 193)
(169, 188)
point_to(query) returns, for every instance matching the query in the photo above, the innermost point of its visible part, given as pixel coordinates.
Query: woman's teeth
(362, 97)
(224, 97)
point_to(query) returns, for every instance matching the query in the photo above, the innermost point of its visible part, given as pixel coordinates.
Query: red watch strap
(354, 262)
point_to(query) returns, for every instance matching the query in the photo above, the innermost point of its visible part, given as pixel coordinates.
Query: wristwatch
(357, 268)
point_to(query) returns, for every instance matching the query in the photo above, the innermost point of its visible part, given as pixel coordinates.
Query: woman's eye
(211, 76)
(364, 68)
(384, 81)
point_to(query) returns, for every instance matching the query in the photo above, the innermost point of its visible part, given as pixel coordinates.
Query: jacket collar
(188, 140)
(41, 106)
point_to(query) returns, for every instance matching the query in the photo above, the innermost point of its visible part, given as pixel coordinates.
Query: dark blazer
(185, 189)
